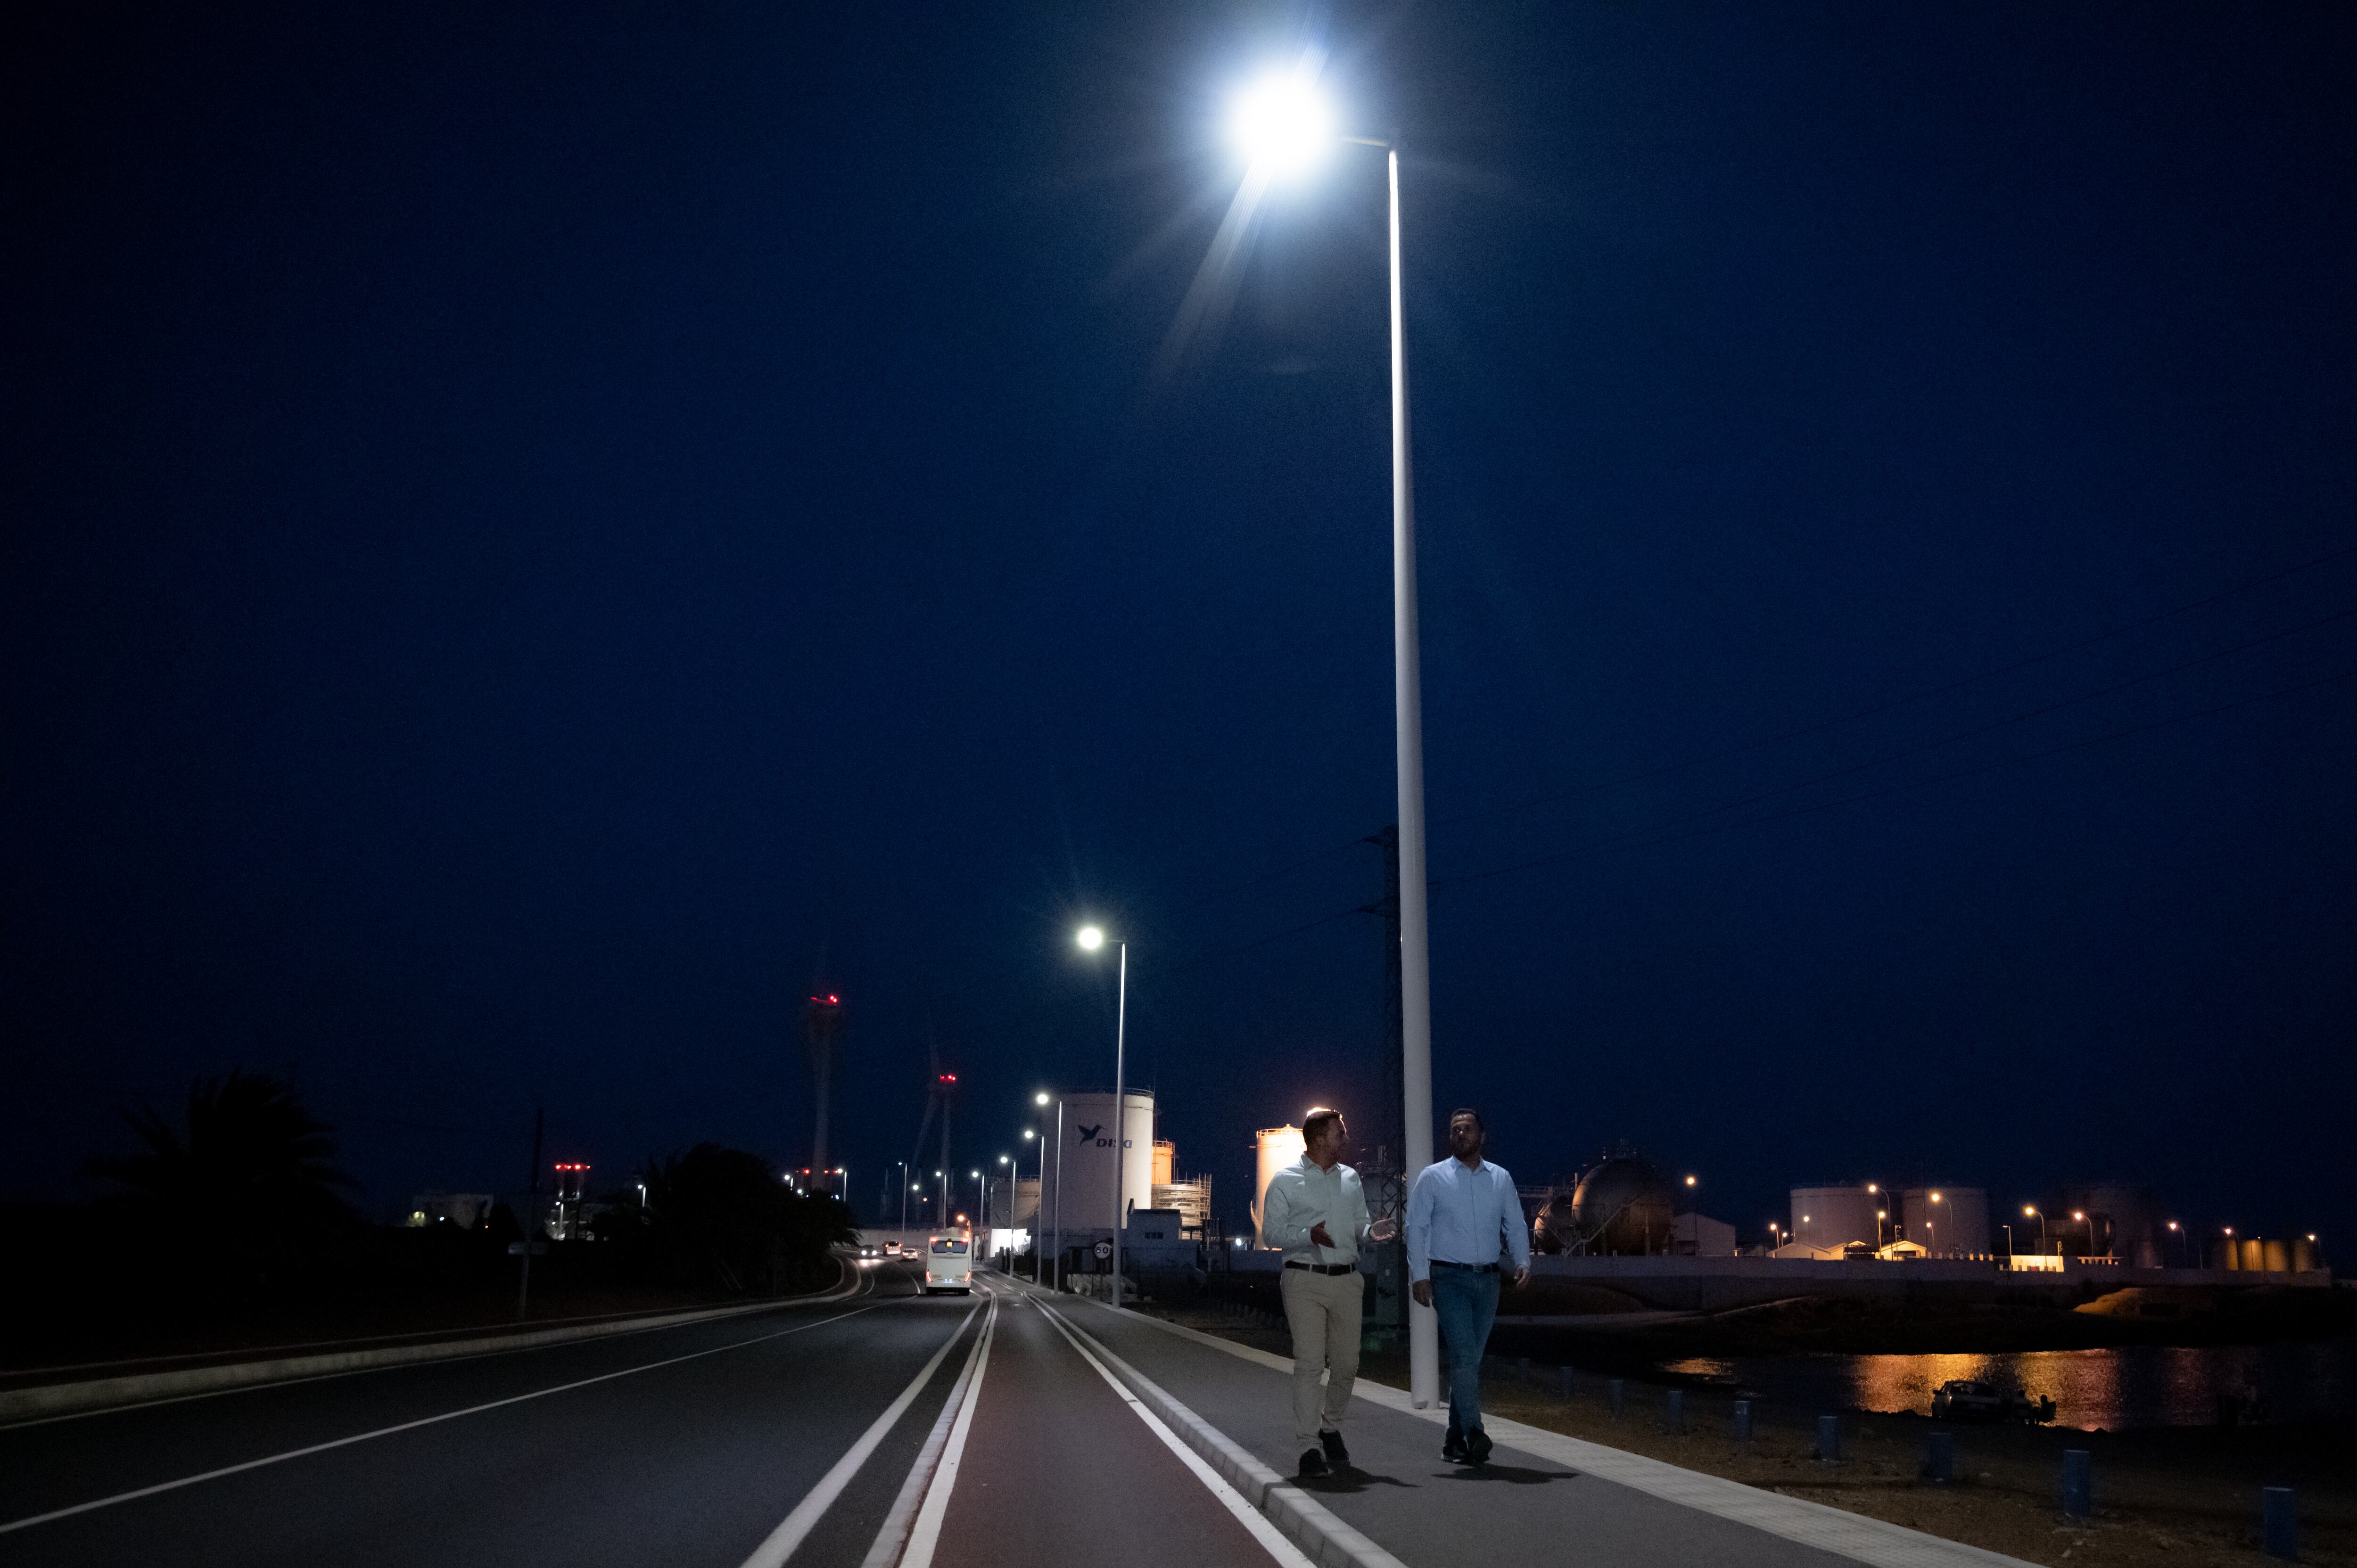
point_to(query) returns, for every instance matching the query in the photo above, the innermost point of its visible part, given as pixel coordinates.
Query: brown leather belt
(1326, 1268)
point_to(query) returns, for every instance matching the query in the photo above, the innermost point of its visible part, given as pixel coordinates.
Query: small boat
(1969, 1399)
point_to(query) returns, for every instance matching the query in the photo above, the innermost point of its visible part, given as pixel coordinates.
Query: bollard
(1619, 1389)
(1829, 1438)
(1566, 1381)
(2078, 1483)
(1743, 1421)
(1675, 1418)
(1939, 1457)
(2281, 1524)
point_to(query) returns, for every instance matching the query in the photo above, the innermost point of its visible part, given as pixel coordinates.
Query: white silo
(1947, 1219)
(1278, 1148)
(1833, 1217)
(1087, 1160)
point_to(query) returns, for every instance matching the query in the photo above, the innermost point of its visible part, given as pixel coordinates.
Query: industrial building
(1946, 1222)
(1864, 1219)
(1274, 1149)
(1163, 1213)
(1826, 1220)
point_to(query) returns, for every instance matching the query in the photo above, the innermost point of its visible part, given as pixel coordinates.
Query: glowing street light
(1282, 121)
(1089, 937)
(1284, 127)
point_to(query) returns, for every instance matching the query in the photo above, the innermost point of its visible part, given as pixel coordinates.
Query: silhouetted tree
(249, 1184)
(719, 1215)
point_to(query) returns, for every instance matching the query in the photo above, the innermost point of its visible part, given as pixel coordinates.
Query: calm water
(2114, 1390)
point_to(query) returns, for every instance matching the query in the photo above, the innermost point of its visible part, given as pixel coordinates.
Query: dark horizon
(542, 538)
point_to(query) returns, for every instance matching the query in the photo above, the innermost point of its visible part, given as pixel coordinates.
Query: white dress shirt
(1461, 1216)
(1305, 1193)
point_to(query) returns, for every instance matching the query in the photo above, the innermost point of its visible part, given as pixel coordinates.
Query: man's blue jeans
(1466, 1303)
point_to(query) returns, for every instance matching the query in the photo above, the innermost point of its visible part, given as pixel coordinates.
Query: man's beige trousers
(1322, 1310)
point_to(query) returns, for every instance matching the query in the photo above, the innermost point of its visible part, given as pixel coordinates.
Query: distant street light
(1285, 126)
(1091, 938)
(2029, 1209)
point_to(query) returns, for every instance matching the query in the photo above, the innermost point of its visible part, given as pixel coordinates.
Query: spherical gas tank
(1623, 1205)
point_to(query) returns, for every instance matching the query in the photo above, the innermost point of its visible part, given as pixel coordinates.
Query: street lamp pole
(1120, 1113)
(1416, 972)
(1057, 1282)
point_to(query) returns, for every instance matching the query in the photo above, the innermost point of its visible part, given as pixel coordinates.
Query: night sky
(537, 535)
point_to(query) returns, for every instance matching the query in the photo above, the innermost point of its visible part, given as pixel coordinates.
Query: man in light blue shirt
(1463, 1215)
(1315, 1210)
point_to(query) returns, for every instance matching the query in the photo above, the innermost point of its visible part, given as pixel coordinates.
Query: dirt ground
(2174, 1495)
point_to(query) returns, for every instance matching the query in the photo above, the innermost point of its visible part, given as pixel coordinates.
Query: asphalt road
(723, 1443)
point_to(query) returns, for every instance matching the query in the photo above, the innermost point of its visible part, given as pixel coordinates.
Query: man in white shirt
(1463, 1214)
(1315, 1210)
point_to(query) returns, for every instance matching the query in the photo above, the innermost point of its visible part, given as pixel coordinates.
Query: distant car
(870, 1249)
(949, 1265)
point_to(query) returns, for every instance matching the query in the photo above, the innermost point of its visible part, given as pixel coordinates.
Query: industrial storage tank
(1831, 1218)
(1086, 1160)
(1277, 1148)
(1947, 1220)
(2122, 1220)
(1620, 1205)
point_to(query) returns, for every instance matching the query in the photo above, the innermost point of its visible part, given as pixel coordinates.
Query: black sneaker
(1336, 1455)
(1477, 1447)
(1452, 1447)
(1313, 1462)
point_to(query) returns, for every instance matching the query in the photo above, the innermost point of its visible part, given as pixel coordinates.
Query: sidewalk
(1543, 1498)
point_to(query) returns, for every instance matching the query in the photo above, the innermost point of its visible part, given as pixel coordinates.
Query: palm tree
(252, 1179)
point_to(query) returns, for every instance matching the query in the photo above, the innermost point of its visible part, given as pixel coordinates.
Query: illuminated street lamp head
(1690, 1181)
(1091, 938)
(1040, 1097)
(1282, 123)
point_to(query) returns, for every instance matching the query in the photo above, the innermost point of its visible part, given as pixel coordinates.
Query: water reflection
(2147, 1385)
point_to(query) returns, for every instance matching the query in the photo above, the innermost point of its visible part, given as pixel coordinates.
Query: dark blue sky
(537, 535)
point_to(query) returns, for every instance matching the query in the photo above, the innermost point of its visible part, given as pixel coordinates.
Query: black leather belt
(1326, 1268)
(1469, 1268)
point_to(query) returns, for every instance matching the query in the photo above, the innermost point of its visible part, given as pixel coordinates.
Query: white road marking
(927, 1535)
(884, 1552)
(1251, 1517)
(772, 1552)
(173, 1485)
(862, 1285)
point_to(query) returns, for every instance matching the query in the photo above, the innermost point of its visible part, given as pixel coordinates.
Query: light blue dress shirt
(1302, 1196)
(1461, 1216)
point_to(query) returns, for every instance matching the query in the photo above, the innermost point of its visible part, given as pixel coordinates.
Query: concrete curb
(94, 1394)
(1322, 1538)
(1861, 1538)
